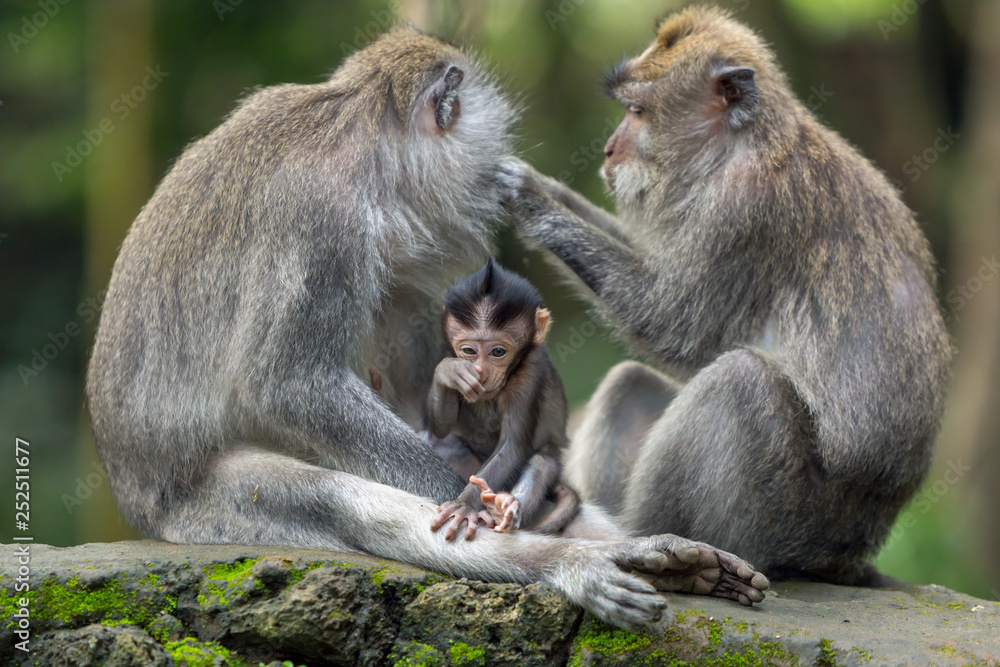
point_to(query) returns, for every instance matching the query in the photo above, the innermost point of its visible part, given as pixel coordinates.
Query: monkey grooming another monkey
(289, 261)
(514, 407)
(777, 274)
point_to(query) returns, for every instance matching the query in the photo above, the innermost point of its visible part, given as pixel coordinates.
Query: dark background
(99, 97)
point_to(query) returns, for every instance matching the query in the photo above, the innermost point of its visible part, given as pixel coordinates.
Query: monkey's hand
(455, 513)
(460, 375)
(505, 508)
(675, 564)
(522, 189)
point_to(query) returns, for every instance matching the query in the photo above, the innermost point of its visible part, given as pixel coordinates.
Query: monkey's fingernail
(687, 552)
(760, 582)
(656, 562)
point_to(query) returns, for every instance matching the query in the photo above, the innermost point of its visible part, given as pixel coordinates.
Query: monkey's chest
(479, 425)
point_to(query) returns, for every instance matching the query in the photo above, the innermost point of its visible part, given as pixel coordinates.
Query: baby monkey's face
(491, 352)
(490, 349)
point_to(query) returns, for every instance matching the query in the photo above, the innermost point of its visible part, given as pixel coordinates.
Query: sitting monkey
(514, 412)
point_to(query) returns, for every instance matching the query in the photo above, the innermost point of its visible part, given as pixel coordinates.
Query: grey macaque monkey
(779, 279)
(286, 263)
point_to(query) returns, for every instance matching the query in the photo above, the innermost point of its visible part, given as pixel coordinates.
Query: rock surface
(155, 604)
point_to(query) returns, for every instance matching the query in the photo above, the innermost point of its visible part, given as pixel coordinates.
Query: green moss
(947, 650)
(298, 574)
(681, 616)
(607, 642)
(419, 655)
(189, 652)
(827, 656)
(233, 573)
(463, 654)
(110, 603)
(9, 604)
(864, 655)
(225, 580)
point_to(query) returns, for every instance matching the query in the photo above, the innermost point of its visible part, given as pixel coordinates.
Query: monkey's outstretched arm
(596, 256)
(580, 205)
(632, 295)
(303, 505)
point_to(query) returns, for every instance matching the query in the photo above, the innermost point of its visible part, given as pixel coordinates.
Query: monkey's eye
(468, 350)
(498, 352)
(634, 109)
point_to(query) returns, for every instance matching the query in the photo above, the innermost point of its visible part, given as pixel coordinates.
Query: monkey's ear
(737, 92)
(542, 322)
(446, 101)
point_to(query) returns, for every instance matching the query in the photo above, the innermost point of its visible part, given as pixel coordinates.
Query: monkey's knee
(630, 399)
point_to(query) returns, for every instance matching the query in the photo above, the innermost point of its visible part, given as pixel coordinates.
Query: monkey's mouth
(607, 174)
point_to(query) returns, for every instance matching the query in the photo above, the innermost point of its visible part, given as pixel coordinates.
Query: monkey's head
(493, 318)
(436, 121)
(699, 95)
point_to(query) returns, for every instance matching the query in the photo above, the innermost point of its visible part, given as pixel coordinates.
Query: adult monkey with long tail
(288, 262)
(778, 276)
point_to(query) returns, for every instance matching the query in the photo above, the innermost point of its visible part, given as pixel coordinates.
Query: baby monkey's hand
(504, 507)
(460, 375)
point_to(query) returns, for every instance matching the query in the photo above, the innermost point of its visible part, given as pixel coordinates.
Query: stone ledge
(154, 604)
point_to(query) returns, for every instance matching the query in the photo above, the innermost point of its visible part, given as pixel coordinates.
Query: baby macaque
(496, 397)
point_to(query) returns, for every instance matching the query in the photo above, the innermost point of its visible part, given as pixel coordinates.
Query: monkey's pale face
(626, 172)
(491, 353)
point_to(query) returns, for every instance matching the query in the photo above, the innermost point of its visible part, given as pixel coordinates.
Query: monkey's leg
(303, 505)
(616, 420)
(733, 462)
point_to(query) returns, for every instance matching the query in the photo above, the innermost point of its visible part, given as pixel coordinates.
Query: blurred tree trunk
(972, 427)
(118, 183)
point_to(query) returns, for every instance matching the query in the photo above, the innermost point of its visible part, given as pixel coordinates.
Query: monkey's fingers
(453, 527)
(445, 512)
(475, 480)
(652, 555)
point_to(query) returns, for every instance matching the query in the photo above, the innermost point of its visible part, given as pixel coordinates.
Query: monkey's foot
(675, 564)
(457, 512)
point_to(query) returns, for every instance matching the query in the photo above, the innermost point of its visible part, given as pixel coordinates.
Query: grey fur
(295, 249)
(777, 272)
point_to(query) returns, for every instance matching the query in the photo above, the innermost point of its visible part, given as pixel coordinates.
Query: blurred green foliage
(883, 77)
